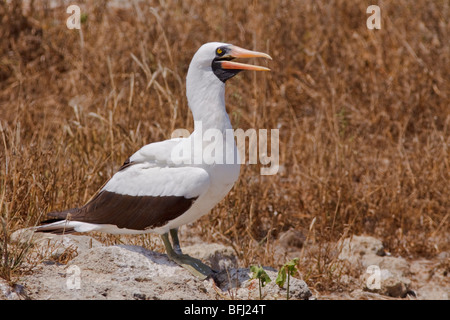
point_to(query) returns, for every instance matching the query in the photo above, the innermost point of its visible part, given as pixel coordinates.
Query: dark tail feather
(61, 215)
(52, 225)
(59, 230)
(48, 221)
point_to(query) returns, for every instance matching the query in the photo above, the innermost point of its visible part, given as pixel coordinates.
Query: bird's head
(218, 58)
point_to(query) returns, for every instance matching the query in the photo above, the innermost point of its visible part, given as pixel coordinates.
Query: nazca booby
(153, 193)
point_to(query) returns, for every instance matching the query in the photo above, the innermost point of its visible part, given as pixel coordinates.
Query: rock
(132, 272)
(289, 245)
(384, 282)
(430, 278)
(357, 294)
(359, 249)
(57, 247)
(432, 292)
(291, 239)
(14, 292)
(41, 239)
(217, 256)
(381, 273)
(115, 272)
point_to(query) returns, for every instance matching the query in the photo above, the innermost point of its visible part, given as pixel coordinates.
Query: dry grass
(363, 115)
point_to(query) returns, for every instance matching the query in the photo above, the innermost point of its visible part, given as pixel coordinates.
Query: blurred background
(363, 117)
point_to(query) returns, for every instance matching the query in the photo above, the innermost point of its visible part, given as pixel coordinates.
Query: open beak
(237, 52)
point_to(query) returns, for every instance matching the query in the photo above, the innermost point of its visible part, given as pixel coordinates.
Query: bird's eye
(220, 52)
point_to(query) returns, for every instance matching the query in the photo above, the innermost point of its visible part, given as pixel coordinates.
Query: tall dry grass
(363, 115)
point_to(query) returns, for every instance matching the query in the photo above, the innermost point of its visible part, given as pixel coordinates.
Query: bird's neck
(206, 99)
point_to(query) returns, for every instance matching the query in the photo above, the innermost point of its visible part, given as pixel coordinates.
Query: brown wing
(130, 212)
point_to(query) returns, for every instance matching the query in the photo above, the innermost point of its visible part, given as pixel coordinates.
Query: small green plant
(261, 275)
(287, 270)
(83, 17)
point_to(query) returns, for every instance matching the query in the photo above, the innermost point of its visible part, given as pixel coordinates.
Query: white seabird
(153, 193)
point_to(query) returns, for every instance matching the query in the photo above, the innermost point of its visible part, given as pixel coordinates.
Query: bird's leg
(175, 240)
(194, 266)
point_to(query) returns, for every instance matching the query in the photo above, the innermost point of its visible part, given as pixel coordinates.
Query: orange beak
(237, 52)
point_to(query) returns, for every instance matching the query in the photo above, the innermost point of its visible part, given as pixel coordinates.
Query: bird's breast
(224, 172)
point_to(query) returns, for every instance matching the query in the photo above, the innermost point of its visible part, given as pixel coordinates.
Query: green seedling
(287, 270)
(83, 17)
(261, 275)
